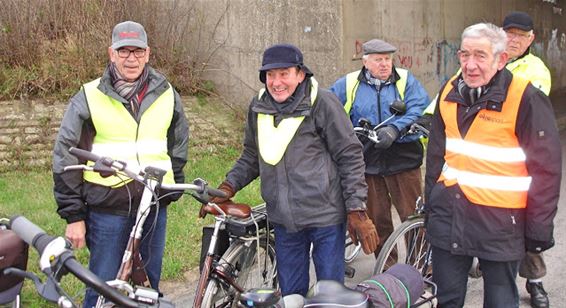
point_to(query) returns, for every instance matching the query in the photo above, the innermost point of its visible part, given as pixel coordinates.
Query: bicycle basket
(13, 253)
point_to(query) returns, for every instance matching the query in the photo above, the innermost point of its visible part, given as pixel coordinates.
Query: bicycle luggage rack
(242, 227)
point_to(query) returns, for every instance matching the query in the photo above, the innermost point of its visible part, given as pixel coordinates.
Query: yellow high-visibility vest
(273, 141)
(120, 137)
(352, 84)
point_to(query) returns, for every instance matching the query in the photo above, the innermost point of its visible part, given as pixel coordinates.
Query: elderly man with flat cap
(300, 143)
(131, 114)
(520, 35)
(393, 164)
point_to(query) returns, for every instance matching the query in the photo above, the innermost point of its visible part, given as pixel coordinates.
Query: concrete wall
(426, 32)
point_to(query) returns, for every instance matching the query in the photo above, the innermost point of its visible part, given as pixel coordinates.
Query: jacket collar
(493, 98)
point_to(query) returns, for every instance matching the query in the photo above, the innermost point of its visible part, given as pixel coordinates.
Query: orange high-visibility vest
(488, 164)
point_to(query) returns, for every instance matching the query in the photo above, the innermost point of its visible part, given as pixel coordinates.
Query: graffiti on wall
(433, 62)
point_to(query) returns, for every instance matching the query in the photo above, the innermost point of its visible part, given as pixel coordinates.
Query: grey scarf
(128, 89)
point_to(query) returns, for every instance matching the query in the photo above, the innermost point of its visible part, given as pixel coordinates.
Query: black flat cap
(377, 46)
(519, 20)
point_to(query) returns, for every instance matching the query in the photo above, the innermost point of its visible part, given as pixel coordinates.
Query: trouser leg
(107, 236)
(328, 252)
(450, 273)
(404, 189)
(292, 253)
(379, 208)
(500, 289)
(153, 246)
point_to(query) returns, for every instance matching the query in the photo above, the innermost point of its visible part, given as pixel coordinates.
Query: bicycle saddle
(329, 293)
(239, 210)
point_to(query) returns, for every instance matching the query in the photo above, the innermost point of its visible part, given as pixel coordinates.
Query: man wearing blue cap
(301, 144)
(134, 115)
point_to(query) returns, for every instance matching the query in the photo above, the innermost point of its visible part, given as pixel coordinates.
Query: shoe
(539, 297)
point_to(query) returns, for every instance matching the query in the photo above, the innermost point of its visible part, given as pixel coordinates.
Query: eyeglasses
(513, 35)
(124, 53)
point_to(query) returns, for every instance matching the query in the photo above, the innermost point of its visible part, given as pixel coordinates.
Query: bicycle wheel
(248, 267)
(406, 245)
(351, 250)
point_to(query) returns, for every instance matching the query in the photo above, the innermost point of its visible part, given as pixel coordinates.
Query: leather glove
(228, 191)
(362, 229)
(385, 137)
(538, 246)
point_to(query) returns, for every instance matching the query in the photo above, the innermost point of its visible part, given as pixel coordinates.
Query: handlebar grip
(93, 281)
(216, 193)
(30, 233)
(84, 154)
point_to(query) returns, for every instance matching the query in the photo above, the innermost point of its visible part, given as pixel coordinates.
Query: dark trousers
(450, 273)
(293, 256)
(400, 190)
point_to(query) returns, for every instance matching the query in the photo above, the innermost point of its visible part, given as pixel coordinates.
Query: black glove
(385, 137)
(538, 246)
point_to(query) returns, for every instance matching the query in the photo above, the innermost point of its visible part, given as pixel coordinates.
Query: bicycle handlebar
(199, 186)
(38, 239)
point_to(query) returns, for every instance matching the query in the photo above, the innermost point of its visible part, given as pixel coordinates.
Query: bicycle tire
(407, 244)
(351, 251)
(241, 260)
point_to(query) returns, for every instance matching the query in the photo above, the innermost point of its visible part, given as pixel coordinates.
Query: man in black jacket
(300, 143)
(493, 172)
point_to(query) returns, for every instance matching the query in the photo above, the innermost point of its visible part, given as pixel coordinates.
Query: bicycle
(222, 278)
(248, 262)
(56, 259)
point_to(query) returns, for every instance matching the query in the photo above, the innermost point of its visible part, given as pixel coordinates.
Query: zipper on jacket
(513, 219)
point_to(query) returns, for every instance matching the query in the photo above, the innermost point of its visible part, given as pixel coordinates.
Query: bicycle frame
(223, 215)
(131, 268)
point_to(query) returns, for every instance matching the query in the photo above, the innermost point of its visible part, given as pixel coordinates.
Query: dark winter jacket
(495, 233)
(321, 174)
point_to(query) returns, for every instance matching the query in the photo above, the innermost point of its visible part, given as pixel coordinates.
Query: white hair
(496, 36)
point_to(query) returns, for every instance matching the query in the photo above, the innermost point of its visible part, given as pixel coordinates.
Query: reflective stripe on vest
(352, 84)
(488, 164)
(273, 141)
(120, 137)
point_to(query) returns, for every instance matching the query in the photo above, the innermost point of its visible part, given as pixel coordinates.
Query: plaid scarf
(127, 89)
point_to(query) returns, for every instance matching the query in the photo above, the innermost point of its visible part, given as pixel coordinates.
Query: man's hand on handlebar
(229, 192)
(386, 136)
(75, 233)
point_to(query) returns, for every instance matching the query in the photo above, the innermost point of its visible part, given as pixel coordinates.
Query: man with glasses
(493, 173)
(134, 115)
(520, 36)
